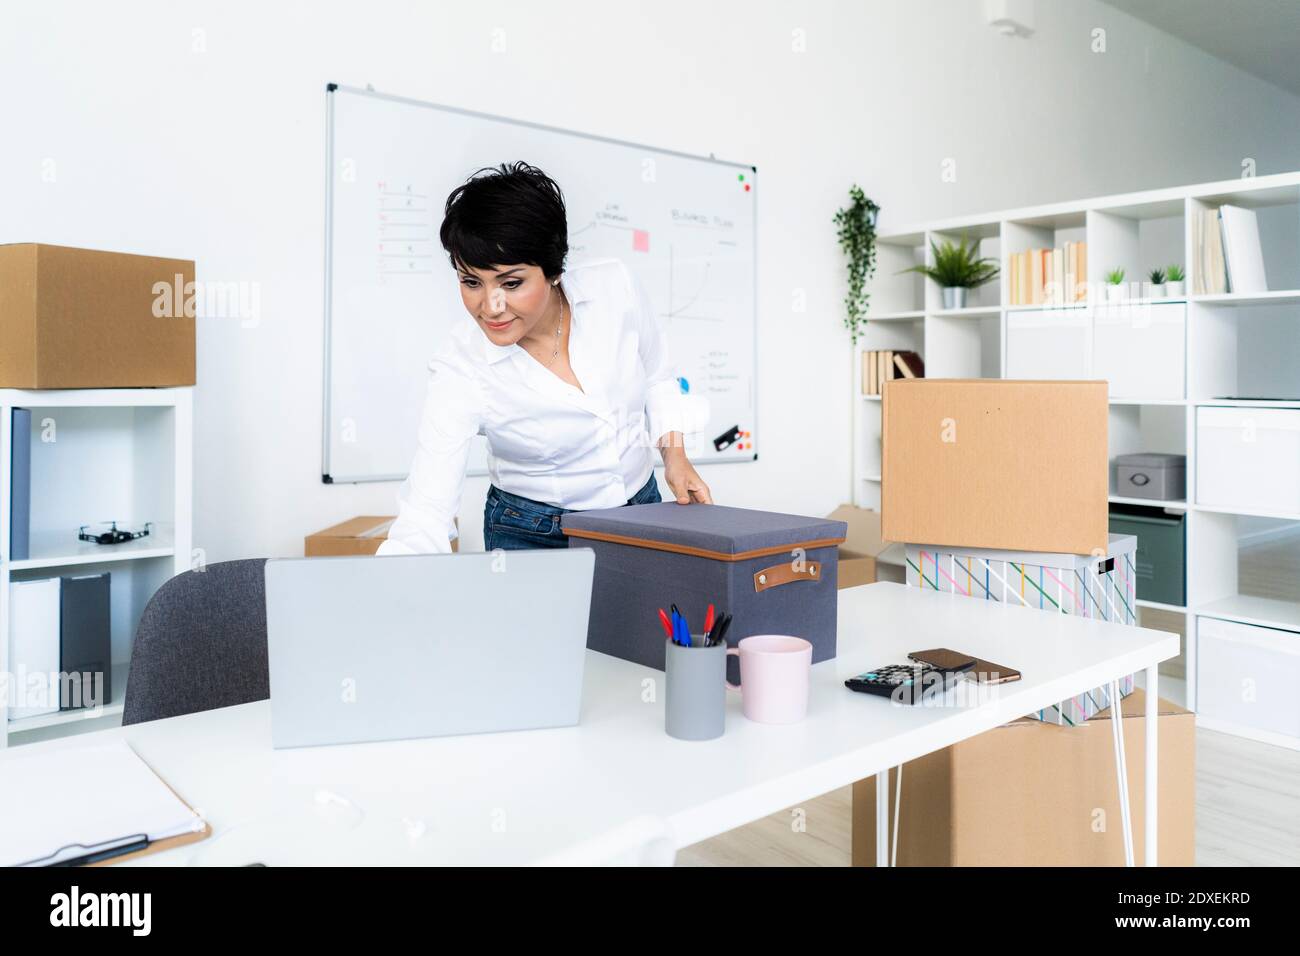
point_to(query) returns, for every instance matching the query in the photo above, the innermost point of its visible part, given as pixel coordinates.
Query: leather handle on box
(786, 573)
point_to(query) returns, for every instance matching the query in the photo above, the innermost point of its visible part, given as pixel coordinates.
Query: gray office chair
(201, 644)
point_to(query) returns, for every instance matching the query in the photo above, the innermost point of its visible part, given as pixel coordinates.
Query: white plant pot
(954, 297)
(1115, 293)
(1175, 290)
(1155, 291)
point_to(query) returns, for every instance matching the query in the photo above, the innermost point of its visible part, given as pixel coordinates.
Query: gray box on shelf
(775, 573)
(85, 641)
(1160, 562)
(1158, 476)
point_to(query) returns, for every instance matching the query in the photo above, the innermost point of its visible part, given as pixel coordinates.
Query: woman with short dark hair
(565, 371)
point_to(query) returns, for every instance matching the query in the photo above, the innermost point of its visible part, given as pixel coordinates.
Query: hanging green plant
(857, 236)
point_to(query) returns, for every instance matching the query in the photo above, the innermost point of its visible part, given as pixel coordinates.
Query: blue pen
(677, 627)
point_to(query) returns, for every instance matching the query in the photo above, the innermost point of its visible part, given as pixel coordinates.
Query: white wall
(196, 130)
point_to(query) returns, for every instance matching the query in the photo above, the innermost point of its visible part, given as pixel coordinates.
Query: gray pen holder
(695, 692)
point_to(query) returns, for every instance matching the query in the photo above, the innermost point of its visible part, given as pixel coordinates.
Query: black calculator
(908, 683)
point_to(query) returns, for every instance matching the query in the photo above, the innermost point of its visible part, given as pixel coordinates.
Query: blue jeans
(514, 523)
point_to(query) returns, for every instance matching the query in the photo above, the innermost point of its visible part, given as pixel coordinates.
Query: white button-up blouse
(547, 440)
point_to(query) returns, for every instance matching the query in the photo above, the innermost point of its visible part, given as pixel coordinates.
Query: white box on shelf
(1139, 349)
(1248, 458)
(1096, 586)
(33, 648)
(1048, 344)
(1247, 676)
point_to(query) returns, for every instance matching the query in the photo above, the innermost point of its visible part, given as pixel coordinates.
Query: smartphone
(983, 671)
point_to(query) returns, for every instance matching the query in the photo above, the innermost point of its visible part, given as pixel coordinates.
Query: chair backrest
(201, 643)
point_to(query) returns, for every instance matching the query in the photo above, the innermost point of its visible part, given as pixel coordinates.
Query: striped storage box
(1098, 587)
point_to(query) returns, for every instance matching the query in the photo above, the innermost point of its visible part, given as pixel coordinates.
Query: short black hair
(507, 214)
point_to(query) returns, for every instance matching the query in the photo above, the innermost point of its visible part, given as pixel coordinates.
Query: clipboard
(182, 839)
(169, 843)
(49, 817)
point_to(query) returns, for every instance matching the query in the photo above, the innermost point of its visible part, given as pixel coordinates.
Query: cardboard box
(361, 535)
(77, 318)
(1036, 794)
(862, 545)
(991, 463)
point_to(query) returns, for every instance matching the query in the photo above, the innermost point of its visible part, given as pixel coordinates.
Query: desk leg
(1121, 769)
(1150, 778)
(882, 818)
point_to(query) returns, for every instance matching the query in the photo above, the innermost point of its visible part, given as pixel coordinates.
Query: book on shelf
(1211, 269)
(1243, 256)
(20, 485)
(909, 365)
(1049, 276)
(884, 365)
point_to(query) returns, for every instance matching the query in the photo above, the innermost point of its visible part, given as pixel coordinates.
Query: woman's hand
(683, 479)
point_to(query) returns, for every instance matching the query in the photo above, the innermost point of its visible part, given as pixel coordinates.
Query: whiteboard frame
(330, 90)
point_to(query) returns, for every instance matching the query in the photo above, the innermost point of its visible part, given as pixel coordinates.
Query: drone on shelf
(113, 535)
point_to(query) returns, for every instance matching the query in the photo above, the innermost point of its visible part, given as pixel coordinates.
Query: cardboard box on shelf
(360, 535)
(993, 463)
(79, 318)
(862, 545)
(1036, 794)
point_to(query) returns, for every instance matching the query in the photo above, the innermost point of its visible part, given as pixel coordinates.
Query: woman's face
(507, 302)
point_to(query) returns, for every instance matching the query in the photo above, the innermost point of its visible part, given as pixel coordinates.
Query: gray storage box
(1159, 476)
(1161, 565)
(775, 573)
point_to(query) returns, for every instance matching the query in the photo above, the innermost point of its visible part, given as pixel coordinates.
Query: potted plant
(1156, 287)
(857, 236)
(957, 268)
(1114, 285)
(1174, 277)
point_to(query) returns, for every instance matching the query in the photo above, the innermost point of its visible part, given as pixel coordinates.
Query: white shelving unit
(122, 454)
(1165, 357)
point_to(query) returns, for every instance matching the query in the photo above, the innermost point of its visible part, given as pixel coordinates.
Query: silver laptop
(383, 648)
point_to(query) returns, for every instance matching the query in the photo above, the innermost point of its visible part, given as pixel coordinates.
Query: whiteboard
(685, 225)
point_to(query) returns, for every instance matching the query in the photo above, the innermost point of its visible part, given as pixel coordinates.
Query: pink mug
(773, 677)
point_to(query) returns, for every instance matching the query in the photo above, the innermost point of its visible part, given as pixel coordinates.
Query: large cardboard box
(991, 463)
(862, 545)
(361, 535)
(77, 318)
(1036, 794)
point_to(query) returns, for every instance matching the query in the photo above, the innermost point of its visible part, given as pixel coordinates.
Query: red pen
(708, 619)
(668, 627)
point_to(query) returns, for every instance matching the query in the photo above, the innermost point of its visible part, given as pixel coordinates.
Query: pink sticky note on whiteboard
(640, 240)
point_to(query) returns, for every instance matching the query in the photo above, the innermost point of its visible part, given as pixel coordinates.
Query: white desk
(617, 784)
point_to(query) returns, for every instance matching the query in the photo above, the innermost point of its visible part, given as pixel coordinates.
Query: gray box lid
(1151, 460)
(721, 531)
